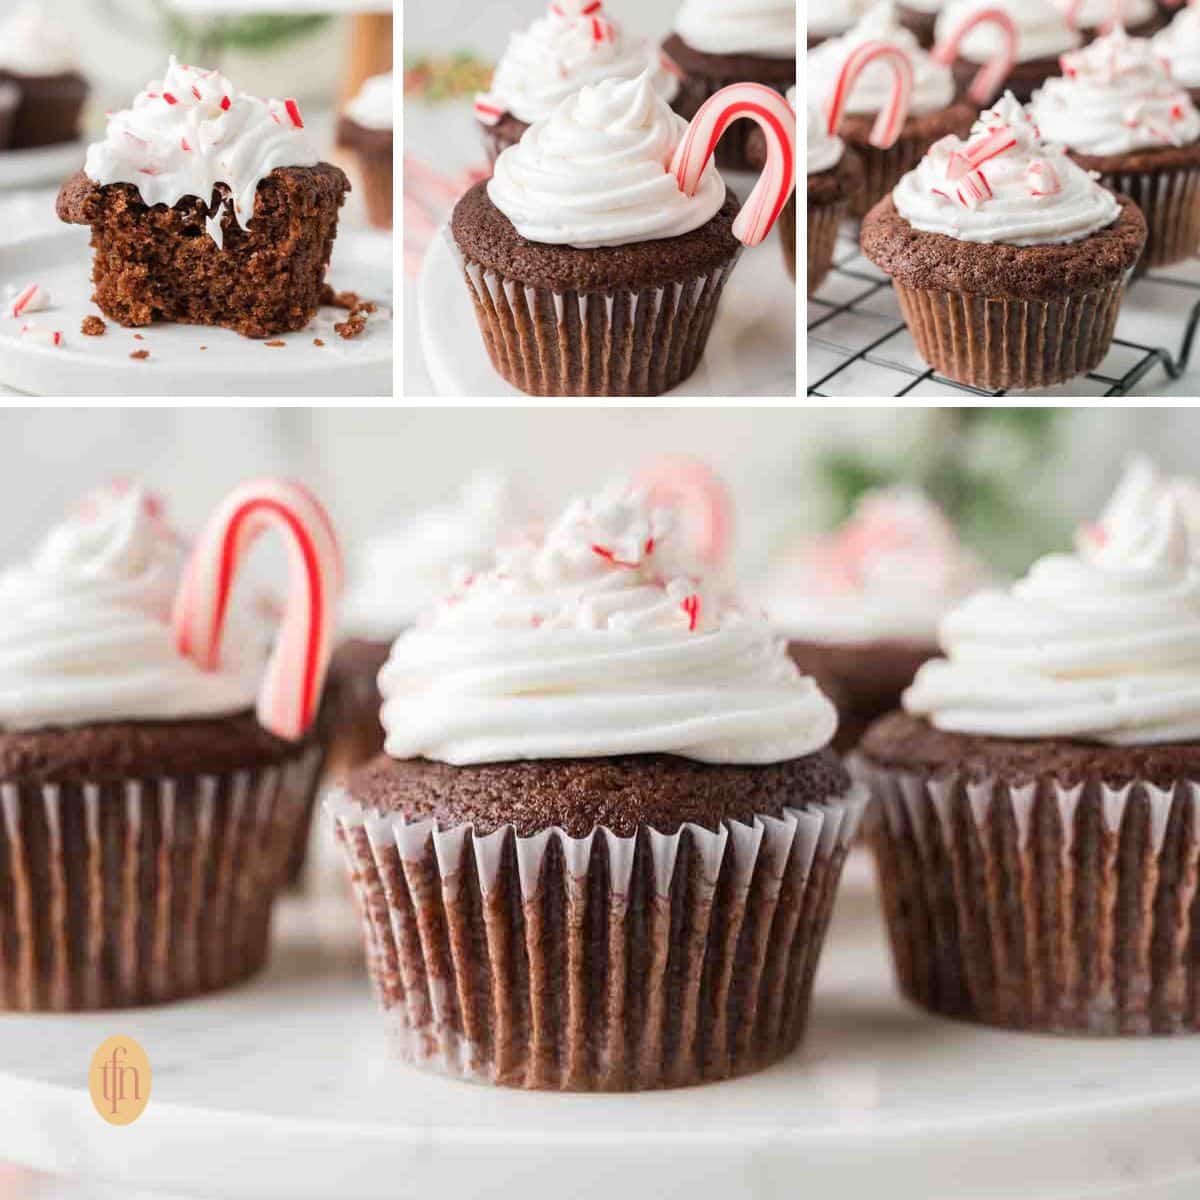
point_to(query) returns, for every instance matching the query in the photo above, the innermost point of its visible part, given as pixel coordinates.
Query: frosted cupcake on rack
(1036, 810)
(41, 86)
(721, 42)
(1009, 260)
(1179, 45)
(592, 735)
(851, 78)
(575, 44)
(393, 580)
(835, 177)
(1043, 33)
(154, 778)
(860, 608)
(597, 253)
(1120, 113)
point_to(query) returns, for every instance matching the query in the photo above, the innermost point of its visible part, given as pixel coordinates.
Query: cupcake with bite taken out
(716, 43)
(860, 608)
(575, 44)
(1009, 260)
(608, 801)
(1122, 116)
(154, 776)
(597, 253)
(1035, 822)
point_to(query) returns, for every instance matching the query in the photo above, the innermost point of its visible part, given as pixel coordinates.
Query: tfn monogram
(119, 1080)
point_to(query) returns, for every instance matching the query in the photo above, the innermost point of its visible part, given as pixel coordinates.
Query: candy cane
(291, 688)
(487, 109)
(891, 118)
(992, 74)
(575, 8)
(774, 116)
(697, 492)
(33, 298)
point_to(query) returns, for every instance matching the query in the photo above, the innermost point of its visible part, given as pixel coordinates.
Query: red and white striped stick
(774, 116)
(31, 298)
(488, 110)
(892, 116)
(575, 8)
(291, 688)
(992, 74)
(698, 494)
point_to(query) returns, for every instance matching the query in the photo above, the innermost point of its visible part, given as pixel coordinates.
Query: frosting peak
(1102, 644)
(1003, 184)
(824, 149)
(597, 171)
(85, 631)
(195, 130)
(766, 27)
(605, 636)
(1115, 96)
(374, 107)
(1179, 44)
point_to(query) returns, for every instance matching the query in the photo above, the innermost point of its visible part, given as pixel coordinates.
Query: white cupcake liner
(602, 963)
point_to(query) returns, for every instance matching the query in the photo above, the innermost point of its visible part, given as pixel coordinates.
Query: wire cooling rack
(858, 344)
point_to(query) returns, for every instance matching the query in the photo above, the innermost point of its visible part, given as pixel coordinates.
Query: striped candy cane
(698, 494)
(892, 116)
(291, 688)
(775, 118)
(992, 74)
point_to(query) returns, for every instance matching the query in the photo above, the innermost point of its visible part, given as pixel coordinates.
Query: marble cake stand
(283, 1088)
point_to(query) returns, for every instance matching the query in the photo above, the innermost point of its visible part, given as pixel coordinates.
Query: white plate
(751, 350)
(230, 365)
(45, 164)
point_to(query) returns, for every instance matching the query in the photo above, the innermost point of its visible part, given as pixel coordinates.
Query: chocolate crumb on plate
(351, 327)
(318, 342)
(140, 355)
(93, 326)
(274, 345)
(137, 337)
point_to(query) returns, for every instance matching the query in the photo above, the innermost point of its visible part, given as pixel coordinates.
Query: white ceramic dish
(45, 165)
(190, 360)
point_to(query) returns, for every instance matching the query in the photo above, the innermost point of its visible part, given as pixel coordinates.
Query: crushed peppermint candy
(28, 299)
(40, 335)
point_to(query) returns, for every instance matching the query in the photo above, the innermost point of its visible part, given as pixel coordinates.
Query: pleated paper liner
(1170, 201)
(1006, 343)
(822, 226)
(787, 234)
(602, 963)
(115, 894)
(1042, 906)
(623, 342)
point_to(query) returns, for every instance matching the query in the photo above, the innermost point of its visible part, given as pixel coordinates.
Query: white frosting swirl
(597, 171)
(1042, 31)
(1102, 644)
(925, 6)
(560, 53)
(32, 43)
(933, 83)
(824, 149)
(825, 20)
(764, 27)
(1012, 213)
(192, 131)
(605, 637)
(85, 633)
(1115, 96)
(1095, 14)
(891, 572)
(1179, 44)
(374, 106)
(400, 574)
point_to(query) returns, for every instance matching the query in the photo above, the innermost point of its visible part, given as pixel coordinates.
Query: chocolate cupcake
(149, 810)
(860, 608)
(716, 43)
(38, 58)
(576, 44)
(1036, 825)
(1121, 116)
(1043, 33)
(1009, 274)
(10, 97)
(608, 808)
(366, 130)
(1178, 44)
(585, 288)
(835, 177)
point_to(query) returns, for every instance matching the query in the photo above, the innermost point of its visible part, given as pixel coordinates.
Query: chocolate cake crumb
(137, 337)
(318, 342)
(274, 344)
(351, 327)
(140, 355)
(92, 326)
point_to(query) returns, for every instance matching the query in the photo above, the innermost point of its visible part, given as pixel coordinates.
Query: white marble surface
(283, 1088)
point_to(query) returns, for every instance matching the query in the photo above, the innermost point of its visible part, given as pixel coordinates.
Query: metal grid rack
(858, 344)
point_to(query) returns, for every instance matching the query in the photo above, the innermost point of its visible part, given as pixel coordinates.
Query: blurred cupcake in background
(609, 804)
(397, 576)
(38, 58)
(825, 20)
(1178, 44)
(576, 43)
(366, 130)
(920, 17)
(155, 777)
(1035, 832)
(721, 42)
(1094, 17)
(860, 607)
